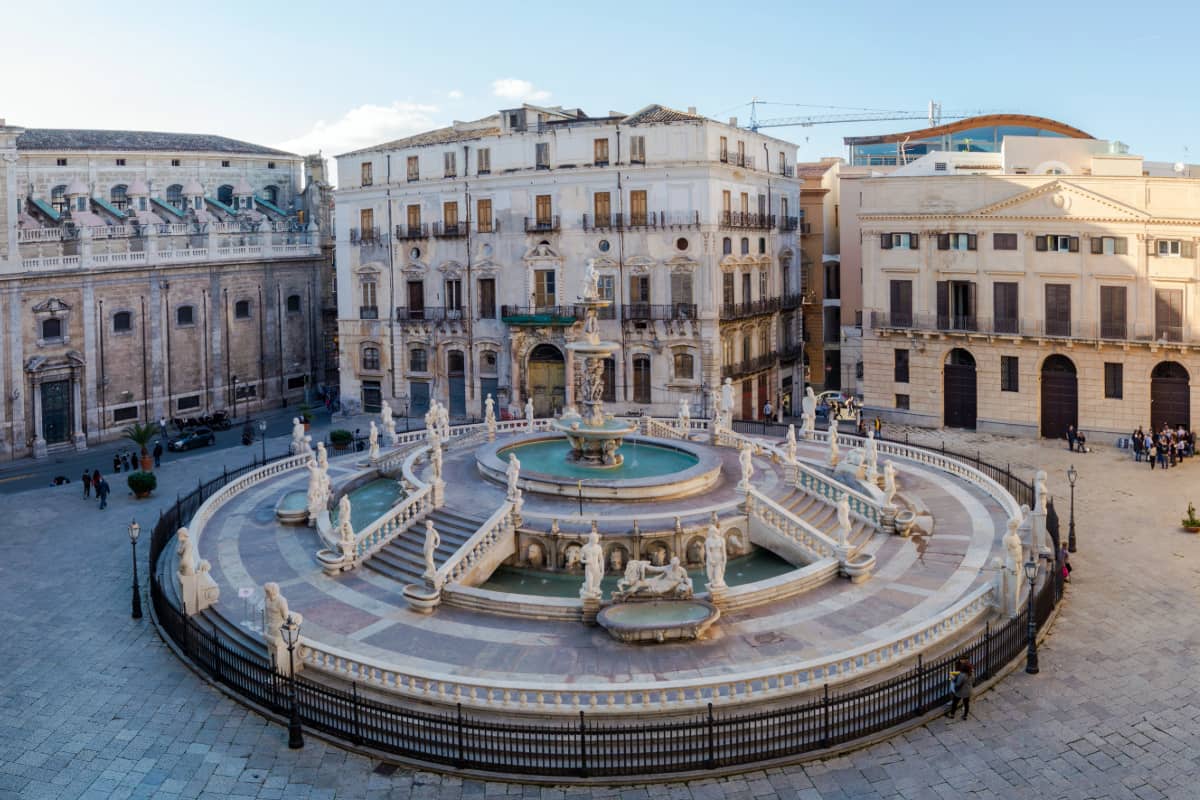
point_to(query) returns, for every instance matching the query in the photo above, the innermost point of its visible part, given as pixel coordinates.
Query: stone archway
(1060, 397)
(546, 379)
(1170, 396)
(959, 390)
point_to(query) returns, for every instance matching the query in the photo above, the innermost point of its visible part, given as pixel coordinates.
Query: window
(370, 358)
(483, 214)
(727, 246)
(745, 198)
(453, 294)
(414, 168)
(899, 241)
(544, 293)
(1004, 241)
(1114, 388)
(727, 289)
(62, 162)
(296, 382)
(120, 162)
(293, 303)
(602, 206)
(175, 163)
(681, 292)
(956, 241)
(51, 329)
(741, 153)
(1008, 374)
(175, 196)
(900, 368)
(185, 315)
(449, 164)
(1168, 314)
(606, 287)
(901, 304)
(58, 198)
(745, 246)
(762, 245)
(416, 299)
(637, 207)
(370, 309)
(224, 163)
(956, 305)
(610, 381)
(763, 281)
(639, 289)
(483, 161)
(832, 324)
(724, 149)
(685, 366)
(1055, 243)
(366, 221)
(413, 213)
(600, 152)
(225, 195)
(902, 401)
(367, 173)
(637, 149)
(545, 209)
(1172, 248)
(1110, 245)
(271, 195)
(126, 414)
(118, 198)
(726, 202)
(1004, 307)
(641, 379)
(487, 298)
(418, 361)
(122, 322)
(1058, 309)
(1112, 312)
(241, 309)
(487, 362)
(542, 154)
(270, 165)
(782, 163)
(833, 281)
(450, 216)
(189, 402)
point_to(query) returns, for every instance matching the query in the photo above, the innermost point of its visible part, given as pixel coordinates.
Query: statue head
(183, 535)
(271, 590)
(295, 420)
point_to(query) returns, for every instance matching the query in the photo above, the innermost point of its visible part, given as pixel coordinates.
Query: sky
(307, 76)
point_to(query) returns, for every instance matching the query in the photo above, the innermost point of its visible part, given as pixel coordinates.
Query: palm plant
(141, 435)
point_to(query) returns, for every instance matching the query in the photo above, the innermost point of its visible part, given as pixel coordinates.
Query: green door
(56, 411)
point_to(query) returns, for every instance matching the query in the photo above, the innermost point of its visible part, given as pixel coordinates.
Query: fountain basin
(292, 508)
(658, 620)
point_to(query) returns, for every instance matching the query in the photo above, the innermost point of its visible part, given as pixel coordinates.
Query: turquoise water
(654, 613)
(757, 566)
(294, 501)
(549, 457)
(369, 501)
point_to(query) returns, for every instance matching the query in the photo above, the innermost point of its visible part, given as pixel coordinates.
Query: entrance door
(56, 411)
(547, 379)
(747, 399)
(958, 390)
(763, 397)
(420, 399)
(1170, 396)
(1060, 397)
(458, 383)
(372, 396)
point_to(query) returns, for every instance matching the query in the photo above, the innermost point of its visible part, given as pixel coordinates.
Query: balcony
(368, 312)
(789, 223)
(739, 220)
(738, 160)
(428, 314)
(487, 226)
(449, 230)
(1094, 330)
(790, 302)
(788, 171)
(750, 366)
(735, 311)
(792, 351)
(645, 312)
(409, 232)
(540, 316)
(542, 224)
(364, 235)
(656, 220)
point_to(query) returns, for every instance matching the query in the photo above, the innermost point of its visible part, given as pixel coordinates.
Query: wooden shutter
(1112, 312)
(901, 303)
(1151, 247)
(1187, 249)
(913, 240)
(1039, 244)
(1073, 244)
(970, 309)
(885, 241)
(602, 207)
(943, 300)
(1058, 309)
(972, 241)
(1121, 246)
(943, 241)
(414, 216)
(1097, 245)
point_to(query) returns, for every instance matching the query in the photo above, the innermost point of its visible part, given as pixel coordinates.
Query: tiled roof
(657, 113)
(436, 136)
(64, 139)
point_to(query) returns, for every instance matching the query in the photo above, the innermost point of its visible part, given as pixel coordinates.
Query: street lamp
(233, 381)
(1031, 656)
(134, 532)
(1072, 476)
(291, 634)
(262, 434)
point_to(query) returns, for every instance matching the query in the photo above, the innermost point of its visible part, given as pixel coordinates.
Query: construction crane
(933, 116)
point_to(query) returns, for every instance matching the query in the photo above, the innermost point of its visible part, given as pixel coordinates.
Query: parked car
(196, 437)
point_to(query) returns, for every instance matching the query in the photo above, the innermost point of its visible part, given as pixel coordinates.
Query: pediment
(682, 264)
(542, 252)
(1061, 199)
(605, 262)
(51, 306)
(451, 268)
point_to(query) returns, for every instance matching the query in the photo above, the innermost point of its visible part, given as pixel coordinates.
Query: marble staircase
(403, 558)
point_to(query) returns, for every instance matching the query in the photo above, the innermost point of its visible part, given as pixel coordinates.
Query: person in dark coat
(116, 462)
(158, 451)
(962, 682)
(86, 480)
(96, 482)
(102, 493)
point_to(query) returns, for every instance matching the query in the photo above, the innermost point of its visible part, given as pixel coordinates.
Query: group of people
(95, 482)
(1167, 448)
(1076, 440)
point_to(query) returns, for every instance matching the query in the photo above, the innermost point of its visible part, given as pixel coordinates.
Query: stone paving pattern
(93, 704)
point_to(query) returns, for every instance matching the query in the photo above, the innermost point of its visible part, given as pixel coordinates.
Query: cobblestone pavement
(93, 704)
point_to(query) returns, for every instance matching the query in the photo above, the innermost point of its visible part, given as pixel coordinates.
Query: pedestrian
(158, 451)
(1070, 437)
(86, 480)
(125, 461)
(96, 482)
(1064, 560)
(962, 680)
(878, 426)
(767, 410)
(1152, 455)
(116, 462)
(102, 493)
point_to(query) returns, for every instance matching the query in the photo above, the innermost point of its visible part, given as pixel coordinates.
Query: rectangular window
(544, 293)
(1058, 309)
(1114, 379)
(450, 216)
(543, 155)
(763, 285)
(1008, 374)
(450, 164)
(899, 241)
(1110, 245)
(606, 288)
(1112, 312)
(62, 162)
(296, 383)
(1169, 248)
(1004, 241)
(454, 295)
(901, 304)
(224, 163)
(1055, 243)
(270, 165)
(413, 213)
(745, 198)
(637, 149)
(681, 292)
(367, 173)
(125, 414)
(368, 294)
(603, 208)
(726, 202)
(545, 215)
(483, 161)
(247, 390)
(902, 402)
(956, 305)
(414, 168)
(1005, 315)
(175, 163)
(637, 207)
(487, 298)
(639, 289)
(366, 222)
(727, 289)
(120, 162)
(416, 299)
(189, 402)
(418, 360)
(900, 369)
(741, 153)
(483, 214)
(1168, 314)
(600, 152)
(724, 151)
(956, 241)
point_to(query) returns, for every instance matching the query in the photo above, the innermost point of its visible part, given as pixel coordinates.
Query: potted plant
(341, 439)
(142, 483)
(142, 435)
(1190, 522)
(305, 415)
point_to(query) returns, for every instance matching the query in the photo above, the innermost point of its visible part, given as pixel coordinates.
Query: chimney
(692, 110)
(733, 122)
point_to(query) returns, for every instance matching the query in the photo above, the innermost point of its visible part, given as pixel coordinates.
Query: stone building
(145, 275)
(1053, 283)
(467, 246)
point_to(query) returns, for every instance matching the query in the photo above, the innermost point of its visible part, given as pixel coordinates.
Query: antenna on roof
(935, 114)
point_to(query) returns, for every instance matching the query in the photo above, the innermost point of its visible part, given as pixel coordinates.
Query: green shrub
(142, 482)
(340, 437)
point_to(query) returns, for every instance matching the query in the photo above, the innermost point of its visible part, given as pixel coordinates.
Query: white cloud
(517, 89)
(455, 94)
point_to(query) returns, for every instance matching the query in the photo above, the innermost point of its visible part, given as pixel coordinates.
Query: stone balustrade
(491, 543)
(162, 255)
(812, 543)
(398, 519)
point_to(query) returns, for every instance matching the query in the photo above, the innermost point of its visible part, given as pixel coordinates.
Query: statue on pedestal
(1039, 488)
(685, 417)
(843, 517)
(889, 483)
(185, 554)
(591, 283)
(276, 607)
(727, 402)
(489, 416)
(745, 460)
(297, 436)
(790, 444)
(432, 542)
(669, 581)
(513, 473)
(808, 412)
(389, 423)
(871, 457)
(322, 456)
(592, 556)
(435, 458)
(346, 541)
(1013, 560)
(715, 557)
(529, 414)
(373, 441)
(833, 445)
(444, 423)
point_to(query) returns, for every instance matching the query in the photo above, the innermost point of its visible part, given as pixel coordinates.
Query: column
(570, 379)
(91, 358)
(16, 368)
(77, 434)
(39, 444)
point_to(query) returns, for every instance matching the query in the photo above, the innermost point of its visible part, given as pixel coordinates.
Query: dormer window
(81, 204)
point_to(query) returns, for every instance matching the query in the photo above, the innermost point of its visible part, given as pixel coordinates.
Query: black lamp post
(291, 634)
(1072, 476)
(262, 434)
(134, 531)
(1031, 656)
(233, 382)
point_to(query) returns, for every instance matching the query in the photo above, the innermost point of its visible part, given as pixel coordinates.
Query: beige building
(1053, 283)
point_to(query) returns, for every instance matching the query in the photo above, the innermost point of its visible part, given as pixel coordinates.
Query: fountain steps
(823, 517)
(403, 559)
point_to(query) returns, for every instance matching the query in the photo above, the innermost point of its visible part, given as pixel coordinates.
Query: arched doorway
(1170, 396)
(1060, 397)
(456, 372)
(958, 389)
(547, 379)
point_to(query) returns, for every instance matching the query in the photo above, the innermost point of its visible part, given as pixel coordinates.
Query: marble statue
(489, 416)
(616, 559)
(322, 456)
(529, 414)
(658, 556)
(513, 473)
(685, 417)
(554, 529)
(535, 556)
(592, 555)
(889, 483)
(183, 550)
(316, 489)
(431, 426)
(843, 517)
(297, 436)
(591, 326)
(1039, 489)
(808, 412)
(670, 581)
(727, 402)
(435, 458)
(591, 284)
(833, 445)
(571, 557)
(714, 399)
(373, 441)
(1013, 561)
(432, 542)
(715, 557)
(871, 456)
(444, 423)
(745, 460)
(389, 423)
(306, 445)
(276, 607)
(695, 552)
(790, 444)
(345, 529)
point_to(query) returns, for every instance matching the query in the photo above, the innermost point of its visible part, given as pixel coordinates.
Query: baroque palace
(147, 275)
(467, 246)
(1052, 283)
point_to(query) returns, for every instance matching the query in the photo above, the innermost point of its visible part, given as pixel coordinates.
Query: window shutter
(1039, 243)
(1073, 244)
(1151, 246)
(885, 241)
(972, 241)
(971, 300)
(1121, 246)
(1097, 245)
(1187, 249)
(943, 241)
(943, 300)
(913, 239)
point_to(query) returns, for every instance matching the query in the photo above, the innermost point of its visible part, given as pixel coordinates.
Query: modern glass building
(982, 134)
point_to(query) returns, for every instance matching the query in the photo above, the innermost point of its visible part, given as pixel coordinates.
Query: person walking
(767, 411)
(102, 493)
(962, 680)
(158, 451)
(96, 482)
(116, 462)
(86, 480)
(1064, 560)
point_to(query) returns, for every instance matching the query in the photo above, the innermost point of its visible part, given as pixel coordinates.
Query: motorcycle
(247, 434)
(221, 421)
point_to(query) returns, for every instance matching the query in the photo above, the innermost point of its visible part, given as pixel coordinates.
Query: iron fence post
(458, 762)
(712, 757)
(920, 687)
(825, 714)
(987, 649)
(583, 770)
(354, 713)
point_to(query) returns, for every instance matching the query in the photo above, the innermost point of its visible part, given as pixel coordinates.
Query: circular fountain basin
(652, 468)
(658, 620)
(292, 508)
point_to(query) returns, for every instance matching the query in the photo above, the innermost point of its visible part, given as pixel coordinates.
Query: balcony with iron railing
(542, 224)
(737, 159)
(410, 232)
(487, 226)
(540, 316)
(364, 235)
(750, 366)
(788, 171)
(791, 351)
(368, 312)
(449, 230)
(790, 302)
(1093, 330)
(662, 220)
(740, 220)
(646, 312)
(428, 314)
(789, 223)
(754, 308)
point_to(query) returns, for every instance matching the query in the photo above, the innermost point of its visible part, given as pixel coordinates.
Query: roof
(46, 209)
(657, 113)
(116, 212)
(68, 139)
(983, 121)
(437, 136)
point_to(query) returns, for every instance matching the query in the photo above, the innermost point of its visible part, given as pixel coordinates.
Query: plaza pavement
(93, 704)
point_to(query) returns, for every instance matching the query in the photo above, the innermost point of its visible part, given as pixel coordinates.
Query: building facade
(1051, 284)
(147, 275)
(466, 247)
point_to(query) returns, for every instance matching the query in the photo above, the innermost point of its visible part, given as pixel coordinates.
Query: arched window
(293, 302)
(487, 362)
(271, 194)
(241, 309)
(418, 360)
(225, 195)
(370, 358)
(745, 246)
(726, 246)
(175, 196)
(185, 315)
(52, 328)
(117, 197)
(122, 322)
(58, 198)
(685, 366)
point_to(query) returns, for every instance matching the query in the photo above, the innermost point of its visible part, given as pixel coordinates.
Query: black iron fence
(583, 746)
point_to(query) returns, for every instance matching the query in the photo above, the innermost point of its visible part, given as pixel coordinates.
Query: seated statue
(671, 581)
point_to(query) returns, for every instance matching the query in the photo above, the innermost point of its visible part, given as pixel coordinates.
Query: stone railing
(812, 543)
(497, 530)
(376, 536)
(664, 429)
(164, 255)
(687, 695)
(39, 235)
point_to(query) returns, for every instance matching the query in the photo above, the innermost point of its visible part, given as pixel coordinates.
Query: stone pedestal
(888, 519)
(591, 607)
(422, 597)
(718, 595)
(439, 493)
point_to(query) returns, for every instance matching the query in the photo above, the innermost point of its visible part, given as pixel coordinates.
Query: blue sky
(309, 76)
